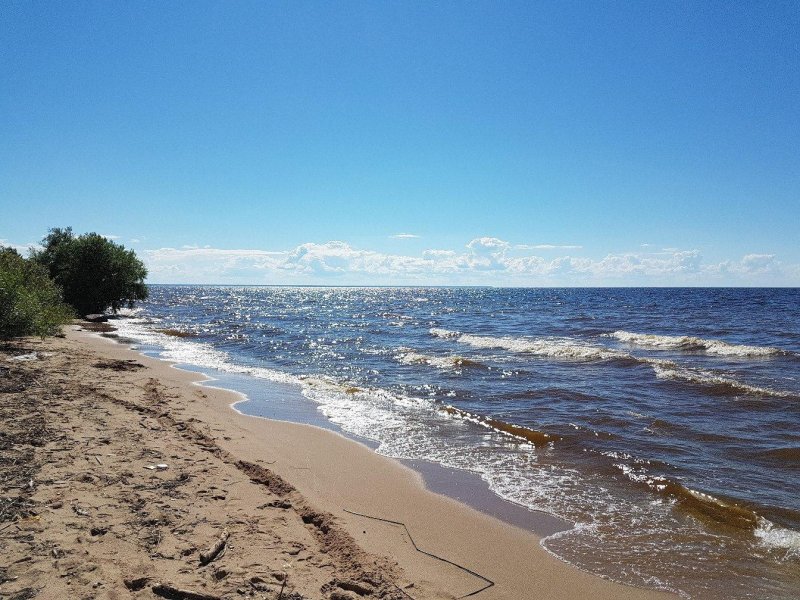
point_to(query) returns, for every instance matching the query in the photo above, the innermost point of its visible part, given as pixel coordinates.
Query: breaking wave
(552, 347)
(775, 537)
(410, 357)
(537, 438)
(666, 369)
(714, 511)
(569, 349)
(690, 343)
(180, 349)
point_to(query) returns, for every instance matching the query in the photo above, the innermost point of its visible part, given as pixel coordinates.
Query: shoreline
(465, 487)
(344, 478)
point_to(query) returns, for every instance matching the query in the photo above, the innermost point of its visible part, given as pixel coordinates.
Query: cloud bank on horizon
(482, 261)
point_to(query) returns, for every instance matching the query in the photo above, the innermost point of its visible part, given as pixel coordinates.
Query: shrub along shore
(70, 276)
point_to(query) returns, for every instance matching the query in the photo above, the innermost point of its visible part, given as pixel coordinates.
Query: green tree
(30, 302)
(95, 273)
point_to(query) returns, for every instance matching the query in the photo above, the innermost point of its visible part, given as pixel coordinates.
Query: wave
(181, 349)
(714, 511)
(725, 386)
(537, 438)
(551, 347)
(178, 333)
(569, 349)
(444, 333)
(786, 457)
(710, 508)
(690, 343)
(775, 537)
(410, 357)
(730, 514)
(717, 512)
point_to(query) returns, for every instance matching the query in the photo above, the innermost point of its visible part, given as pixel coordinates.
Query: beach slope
(121, 478)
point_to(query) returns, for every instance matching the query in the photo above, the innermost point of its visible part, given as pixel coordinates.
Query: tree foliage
(95, 273)
(30, 302)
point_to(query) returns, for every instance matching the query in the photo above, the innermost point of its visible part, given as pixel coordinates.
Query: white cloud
(209, 265)
(757, 266)
(23, 249)
(546, 247)
(438, 254)
(488, 245)
(758, 263)
(650, 265)
(110, 237)
(486, 254)
(404, 236)
(484, 260)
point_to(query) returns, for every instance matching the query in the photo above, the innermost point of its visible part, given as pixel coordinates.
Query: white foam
(567, 348)
(446, 363)
(409, 357)
(688, 343)
(551, 347)
(775, 537)
(666, 369)
(199, 354)
(444, 333)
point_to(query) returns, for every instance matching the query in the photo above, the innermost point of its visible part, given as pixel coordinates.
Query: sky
(430, 143)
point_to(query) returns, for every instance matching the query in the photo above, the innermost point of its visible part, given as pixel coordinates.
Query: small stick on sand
(213, 552)
(489, 582)
(283, 586)
(167, 591)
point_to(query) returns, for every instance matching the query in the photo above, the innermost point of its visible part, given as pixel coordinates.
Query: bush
(95, 273)
(30, 303)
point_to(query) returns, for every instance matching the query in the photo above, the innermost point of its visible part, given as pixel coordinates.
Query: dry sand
(82, 515)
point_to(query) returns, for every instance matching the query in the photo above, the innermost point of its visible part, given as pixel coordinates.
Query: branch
(489, 582)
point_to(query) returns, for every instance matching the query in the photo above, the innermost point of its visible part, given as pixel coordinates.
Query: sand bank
(306, 511)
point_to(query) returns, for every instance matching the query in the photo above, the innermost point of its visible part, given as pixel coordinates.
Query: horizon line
(511, 287)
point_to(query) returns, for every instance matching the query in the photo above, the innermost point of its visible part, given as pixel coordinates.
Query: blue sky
(520, 143)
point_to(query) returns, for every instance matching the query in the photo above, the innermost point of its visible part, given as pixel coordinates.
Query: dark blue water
(664, 422)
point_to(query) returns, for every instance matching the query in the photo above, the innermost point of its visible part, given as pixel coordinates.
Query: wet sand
(304, 512)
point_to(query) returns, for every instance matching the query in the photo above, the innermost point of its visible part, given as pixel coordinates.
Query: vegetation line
(69, 276)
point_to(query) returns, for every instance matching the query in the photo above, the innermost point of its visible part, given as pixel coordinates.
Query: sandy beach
(123, 478)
